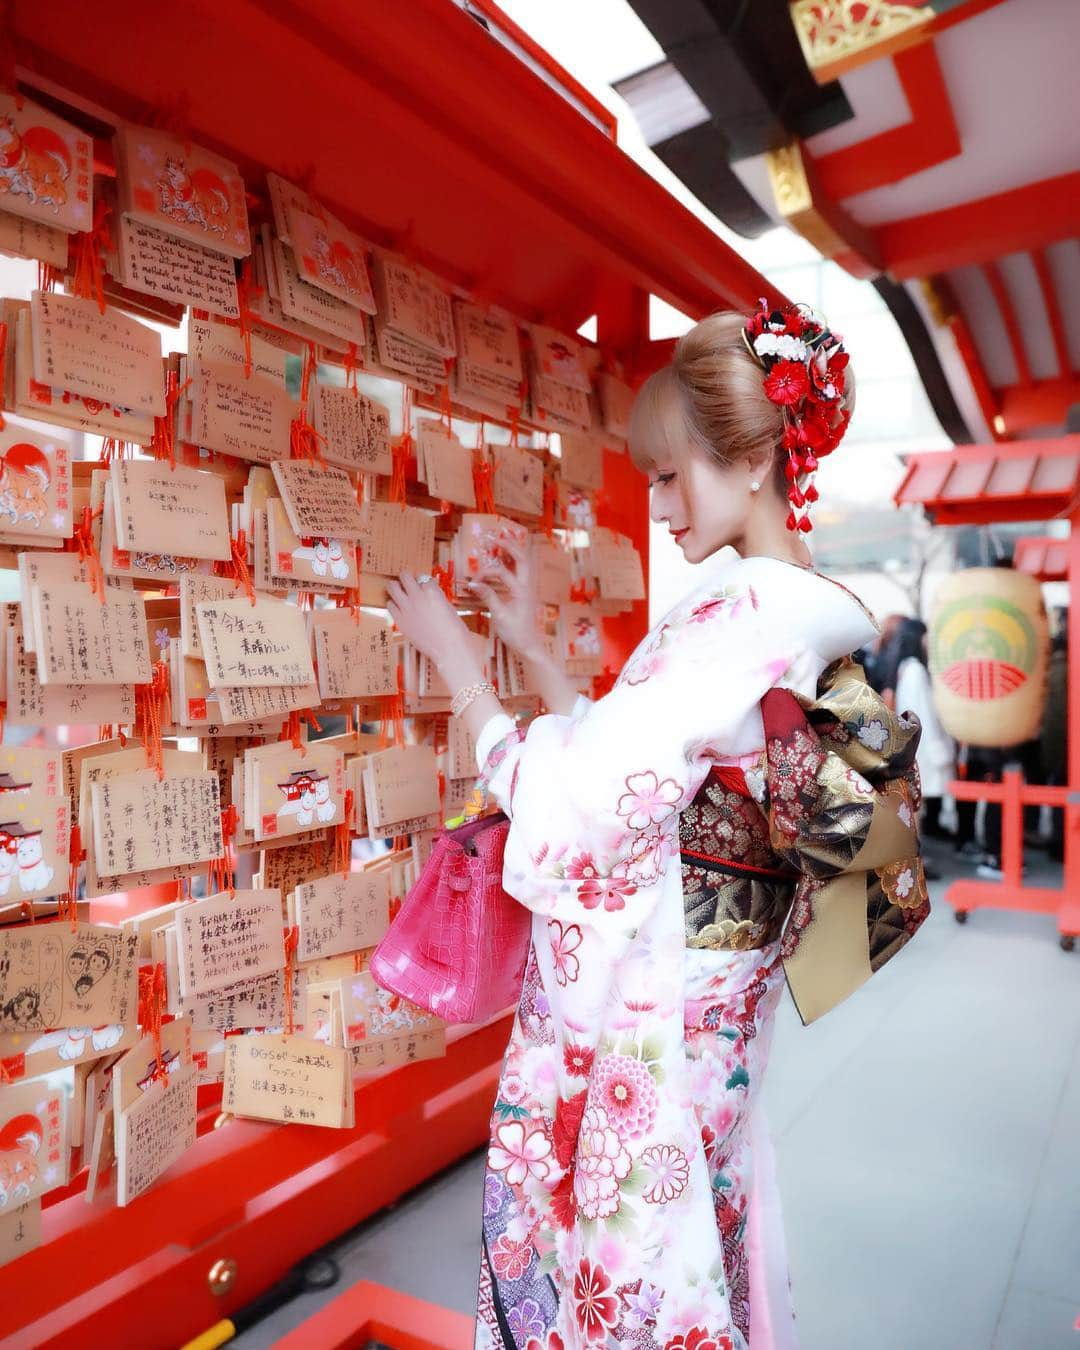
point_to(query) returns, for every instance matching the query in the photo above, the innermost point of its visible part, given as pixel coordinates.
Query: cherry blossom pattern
(519, 1153)
(667, 1173)
(525, 1319)
(612, 891)
(595, 1305)
(511, 1259)
(648, 800)
(565, 940)
(873, 734)
(602, 1162)
(624, 1088)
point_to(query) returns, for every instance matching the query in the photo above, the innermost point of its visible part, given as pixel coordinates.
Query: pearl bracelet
(469, 694)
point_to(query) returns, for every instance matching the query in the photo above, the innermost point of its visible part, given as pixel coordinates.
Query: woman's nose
(656, 508)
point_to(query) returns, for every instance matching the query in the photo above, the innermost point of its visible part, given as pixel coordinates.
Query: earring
(755, 486)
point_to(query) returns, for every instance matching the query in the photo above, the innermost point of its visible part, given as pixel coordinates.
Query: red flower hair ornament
(804, 366)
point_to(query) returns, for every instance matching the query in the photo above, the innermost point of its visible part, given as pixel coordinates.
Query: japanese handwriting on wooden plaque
(20, 1230)
(320, 499)
(219, 343)
(83, 640)
(46, 166)
(355, 429)
(262, 644)
(102, 356)
(342, 914)
(396, 539)
(53, 977)
(285, 1078)
(30, 703)
(142, 822)
(489, 339)
(33, 239)
(226, 938)
(174, 510)
(400, 784)
(193, 590)
(249, 416)
(154, 1132)
(413, 305)
(259, 1002)
(35, 485)
(80, 412)
(355, 655)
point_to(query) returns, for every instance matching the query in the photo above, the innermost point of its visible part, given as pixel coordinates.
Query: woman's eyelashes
(663, 479)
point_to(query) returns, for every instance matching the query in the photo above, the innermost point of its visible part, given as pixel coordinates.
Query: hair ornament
(804, 365)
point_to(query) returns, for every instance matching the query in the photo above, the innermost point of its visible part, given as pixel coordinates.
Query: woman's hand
(508, 589)
(424, 615)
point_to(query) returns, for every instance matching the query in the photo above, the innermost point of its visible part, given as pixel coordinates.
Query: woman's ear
(759, 465)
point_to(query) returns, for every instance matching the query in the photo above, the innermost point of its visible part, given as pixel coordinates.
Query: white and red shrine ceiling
(933, 148)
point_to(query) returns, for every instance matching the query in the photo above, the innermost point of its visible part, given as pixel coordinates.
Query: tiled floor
(928, 1144)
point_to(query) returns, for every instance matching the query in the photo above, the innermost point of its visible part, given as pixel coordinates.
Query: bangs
(658, 432)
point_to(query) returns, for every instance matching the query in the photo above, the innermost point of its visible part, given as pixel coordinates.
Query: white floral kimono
(617, 1204)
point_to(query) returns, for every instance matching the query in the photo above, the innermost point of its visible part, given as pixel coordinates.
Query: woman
(909, 677)
(662, 836)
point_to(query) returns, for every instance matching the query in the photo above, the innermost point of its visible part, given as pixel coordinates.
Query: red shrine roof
(1042, 557)
(991, 484)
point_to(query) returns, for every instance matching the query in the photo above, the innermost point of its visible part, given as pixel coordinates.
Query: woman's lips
(677, 535)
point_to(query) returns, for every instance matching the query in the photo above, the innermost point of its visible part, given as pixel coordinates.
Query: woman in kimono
(737, 810)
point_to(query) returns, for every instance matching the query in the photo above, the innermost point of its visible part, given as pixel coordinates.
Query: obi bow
(841, 790)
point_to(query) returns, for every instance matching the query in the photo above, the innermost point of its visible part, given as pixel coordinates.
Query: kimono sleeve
(594, 797)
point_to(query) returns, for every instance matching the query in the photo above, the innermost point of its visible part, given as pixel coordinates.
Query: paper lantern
(989, 645)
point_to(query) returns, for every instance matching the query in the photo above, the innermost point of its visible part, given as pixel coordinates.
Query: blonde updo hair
(711, 395)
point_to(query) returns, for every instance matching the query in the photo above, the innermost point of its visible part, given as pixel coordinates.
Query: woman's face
(705, 505)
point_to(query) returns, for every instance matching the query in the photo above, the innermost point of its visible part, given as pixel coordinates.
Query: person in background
(936, 758)
(878, 663)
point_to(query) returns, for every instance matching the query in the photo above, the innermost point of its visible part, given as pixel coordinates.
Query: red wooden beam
(984, 394)
(1041, 404)
(929, 138)
(1053, 312)
(1027, 217)
(1008, 319)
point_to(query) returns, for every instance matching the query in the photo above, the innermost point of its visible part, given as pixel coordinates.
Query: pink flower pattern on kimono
(625, 1089)
(613, 891)
(578, 1060)
(648, 800)
(602, 1162)
(511, 1258)
(667, 1173)
(565, 940)
(582, 868)
(518, 1153)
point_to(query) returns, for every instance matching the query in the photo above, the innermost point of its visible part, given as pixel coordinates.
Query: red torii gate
(993, 484)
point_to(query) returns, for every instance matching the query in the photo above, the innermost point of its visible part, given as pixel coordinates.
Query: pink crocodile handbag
(459, 943)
